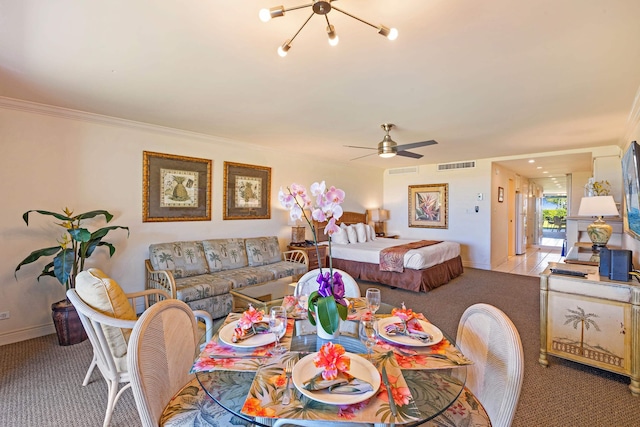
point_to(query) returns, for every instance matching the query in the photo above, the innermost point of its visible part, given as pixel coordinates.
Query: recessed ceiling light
(545, 171)
(532, 161)
(539, 167)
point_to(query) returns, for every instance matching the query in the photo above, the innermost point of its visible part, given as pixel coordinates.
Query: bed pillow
(361, 232)
(340, 237)
(371, 233)
(351, 234)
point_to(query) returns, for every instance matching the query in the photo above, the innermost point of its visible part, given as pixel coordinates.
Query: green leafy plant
(77, 244)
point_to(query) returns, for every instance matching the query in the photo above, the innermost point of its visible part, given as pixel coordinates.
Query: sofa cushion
(263, 250)
(202, 286)
(183, 259)
(225, 254)
(284, 269)
(246, 276)
(106, 296)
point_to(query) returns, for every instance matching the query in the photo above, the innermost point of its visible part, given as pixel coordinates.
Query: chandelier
(323, 8)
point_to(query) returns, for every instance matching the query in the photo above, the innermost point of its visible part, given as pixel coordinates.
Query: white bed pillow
(371, 233)
(340, 237)
(351, 234)
(361, 232)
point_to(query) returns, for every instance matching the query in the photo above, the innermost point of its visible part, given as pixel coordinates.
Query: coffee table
(263, 296)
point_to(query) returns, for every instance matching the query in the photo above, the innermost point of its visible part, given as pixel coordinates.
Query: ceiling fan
(389, 148)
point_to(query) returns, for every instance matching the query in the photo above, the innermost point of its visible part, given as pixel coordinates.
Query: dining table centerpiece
(327, 306)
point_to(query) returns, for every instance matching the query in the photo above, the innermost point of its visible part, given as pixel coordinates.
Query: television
(631, 183)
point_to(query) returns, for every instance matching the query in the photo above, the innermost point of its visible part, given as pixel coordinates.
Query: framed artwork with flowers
(247, 191)
(429, 205)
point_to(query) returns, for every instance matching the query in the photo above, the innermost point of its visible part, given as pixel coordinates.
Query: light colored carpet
(40, 382)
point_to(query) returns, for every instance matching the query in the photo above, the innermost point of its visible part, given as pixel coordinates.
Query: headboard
(347, 218)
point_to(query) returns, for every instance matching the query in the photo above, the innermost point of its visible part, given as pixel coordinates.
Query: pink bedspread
(392, 258)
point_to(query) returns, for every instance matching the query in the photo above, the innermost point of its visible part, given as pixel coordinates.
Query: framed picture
(247, 191)
(500, 194)
(429, 205)
(175, 188)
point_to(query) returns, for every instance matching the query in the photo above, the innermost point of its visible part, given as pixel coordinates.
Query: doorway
(554, 219)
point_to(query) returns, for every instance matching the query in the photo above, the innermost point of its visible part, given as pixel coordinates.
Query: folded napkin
(240, 333)
(413, 331)
(342, 384)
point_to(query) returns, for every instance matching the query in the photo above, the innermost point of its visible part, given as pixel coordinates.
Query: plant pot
(67, 322)
(322, 334)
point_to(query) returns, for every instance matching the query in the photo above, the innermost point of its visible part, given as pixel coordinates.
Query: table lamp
(599, 232)
(298, 231)
(379, 216)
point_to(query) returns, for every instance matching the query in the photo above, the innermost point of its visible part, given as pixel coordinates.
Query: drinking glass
(373, 300)
(303, 298)
(368, 331)
(277, 324)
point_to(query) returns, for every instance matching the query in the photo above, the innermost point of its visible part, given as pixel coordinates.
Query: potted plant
(68, 257)
(326, 306)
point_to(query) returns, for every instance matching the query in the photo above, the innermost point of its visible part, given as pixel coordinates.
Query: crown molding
(67, 113)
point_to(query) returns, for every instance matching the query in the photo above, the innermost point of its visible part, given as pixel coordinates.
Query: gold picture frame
(247, 191)
(175, 188)
(429, 205)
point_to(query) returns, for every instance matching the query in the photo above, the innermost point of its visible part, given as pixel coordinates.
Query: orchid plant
(324, 204)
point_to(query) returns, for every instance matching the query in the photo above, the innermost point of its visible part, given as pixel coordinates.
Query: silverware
(392, 403)
(288, 370)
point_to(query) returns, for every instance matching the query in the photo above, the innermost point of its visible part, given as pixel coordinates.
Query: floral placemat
(268, 387)
(218, 355)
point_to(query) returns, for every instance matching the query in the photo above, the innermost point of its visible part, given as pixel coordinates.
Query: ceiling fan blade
(409, 154)
(416, 145)
(366, 155)
(355, 146)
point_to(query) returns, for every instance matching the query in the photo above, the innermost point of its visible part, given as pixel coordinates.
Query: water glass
(368, 331)
(303, 292)
(373, 300)
(277, 324)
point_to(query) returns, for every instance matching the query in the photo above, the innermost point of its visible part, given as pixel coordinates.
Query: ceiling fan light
(267, 14)
(390, 33)
(333, 37)
(282, 50)
(386, 155)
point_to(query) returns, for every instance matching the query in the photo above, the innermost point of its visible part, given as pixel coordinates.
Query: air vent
(400, 171)
(458, 165)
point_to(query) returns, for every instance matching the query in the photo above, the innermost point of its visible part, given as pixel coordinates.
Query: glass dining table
(425, 382)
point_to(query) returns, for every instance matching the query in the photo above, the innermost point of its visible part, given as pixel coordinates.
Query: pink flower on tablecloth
(457, 409)
(207, 364)
(401, 395)
(410, 361)
(348, 412)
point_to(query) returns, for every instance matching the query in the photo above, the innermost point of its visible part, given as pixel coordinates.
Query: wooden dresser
(310, 249)
(591, 320)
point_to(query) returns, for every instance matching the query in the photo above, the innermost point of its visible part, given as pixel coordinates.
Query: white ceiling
(484, 78)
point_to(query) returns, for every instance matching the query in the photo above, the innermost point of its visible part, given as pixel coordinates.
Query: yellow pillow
(105, 295)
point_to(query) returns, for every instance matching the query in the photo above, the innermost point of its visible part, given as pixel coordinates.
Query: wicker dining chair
(108, 315)
(161, 352)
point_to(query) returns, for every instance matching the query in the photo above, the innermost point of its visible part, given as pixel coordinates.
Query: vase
(68, 325)
(322, 334)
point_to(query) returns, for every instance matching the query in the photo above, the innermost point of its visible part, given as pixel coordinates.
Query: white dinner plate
(405, 340)
(226, 335)
(360, 368)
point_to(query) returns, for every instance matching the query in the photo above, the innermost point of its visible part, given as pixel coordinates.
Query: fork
(288, 369)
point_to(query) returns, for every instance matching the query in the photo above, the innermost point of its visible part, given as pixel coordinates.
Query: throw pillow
(105, 295)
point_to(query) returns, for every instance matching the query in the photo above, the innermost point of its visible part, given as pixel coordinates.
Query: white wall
(52, 159)
(472, 230)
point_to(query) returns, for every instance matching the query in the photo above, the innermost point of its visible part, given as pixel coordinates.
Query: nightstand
(388, 236)
(310, 249)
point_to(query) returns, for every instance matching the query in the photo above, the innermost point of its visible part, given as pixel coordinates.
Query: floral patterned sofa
(203, 272)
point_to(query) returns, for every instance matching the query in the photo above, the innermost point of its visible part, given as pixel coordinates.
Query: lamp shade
(378, 215)
(598, 206)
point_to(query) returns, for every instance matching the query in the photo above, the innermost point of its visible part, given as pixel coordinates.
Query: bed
(424, 269)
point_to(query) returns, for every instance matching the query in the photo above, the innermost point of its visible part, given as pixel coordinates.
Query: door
(511, 209)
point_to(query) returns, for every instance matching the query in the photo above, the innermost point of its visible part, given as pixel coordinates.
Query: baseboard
(471, 264)
(27, 334)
